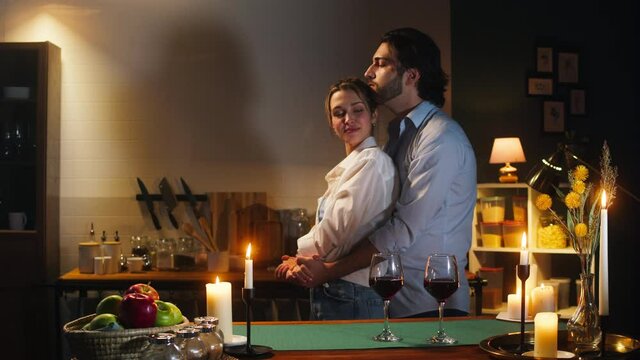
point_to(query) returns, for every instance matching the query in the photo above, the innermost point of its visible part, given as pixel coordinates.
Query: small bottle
(92, 234)
(116, 237)
(212, 320)
(212, 340)
(162, 346)
(191, 345)
(104, 236)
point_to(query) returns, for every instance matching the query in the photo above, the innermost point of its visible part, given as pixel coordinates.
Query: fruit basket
(119, 344)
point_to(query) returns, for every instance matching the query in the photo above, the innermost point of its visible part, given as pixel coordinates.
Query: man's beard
(389, 91)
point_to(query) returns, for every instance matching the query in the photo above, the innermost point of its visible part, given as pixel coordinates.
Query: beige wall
(227, 94)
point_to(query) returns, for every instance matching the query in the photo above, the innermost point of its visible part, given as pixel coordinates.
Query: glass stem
(440, 315)
(386, 315)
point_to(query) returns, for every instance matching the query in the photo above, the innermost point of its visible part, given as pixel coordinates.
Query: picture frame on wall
(539, 86)
(568, 67)
(578, 102)
(553, 117)
(544, 59)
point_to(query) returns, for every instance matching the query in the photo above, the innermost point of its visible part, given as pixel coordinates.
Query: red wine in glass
(441, 289)
(386, 286)
(386, 278)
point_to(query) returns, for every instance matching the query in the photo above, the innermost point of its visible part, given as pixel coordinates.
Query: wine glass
(441, 281)
(386, 278)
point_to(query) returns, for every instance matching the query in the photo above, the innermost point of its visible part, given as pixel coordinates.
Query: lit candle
(513, 306)
(542, 299)
(219, 305)
(545, 335)
(524, 253)
(248, 270)
(603, 284)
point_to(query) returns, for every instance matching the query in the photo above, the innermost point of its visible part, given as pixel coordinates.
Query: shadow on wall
(207, 91)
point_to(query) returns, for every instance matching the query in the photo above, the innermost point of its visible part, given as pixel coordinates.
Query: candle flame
(249, 252)
(217, 280)
(523, 243)
(604, 199)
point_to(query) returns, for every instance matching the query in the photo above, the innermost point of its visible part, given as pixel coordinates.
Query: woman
(359, 196)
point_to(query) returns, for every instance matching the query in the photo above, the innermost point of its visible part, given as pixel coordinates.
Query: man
(437, 169)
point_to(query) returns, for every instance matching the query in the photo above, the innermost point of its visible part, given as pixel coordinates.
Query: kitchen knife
(149, 202)
(169, 200)
(204, 224)
(192, 199)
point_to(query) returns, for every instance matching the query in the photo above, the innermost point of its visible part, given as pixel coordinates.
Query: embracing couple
(415, 197)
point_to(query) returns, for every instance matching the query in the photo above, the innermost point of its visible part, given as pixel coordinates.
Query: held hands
(303, 270)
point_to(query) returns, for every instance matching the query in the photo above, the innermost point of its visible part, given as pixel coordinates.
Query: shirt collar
(420, 112)
(348, 161)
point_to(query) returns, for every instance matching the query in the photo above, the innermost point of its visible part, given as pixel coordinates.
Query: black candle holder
(523, 275)
(248, 350)
(604, 319)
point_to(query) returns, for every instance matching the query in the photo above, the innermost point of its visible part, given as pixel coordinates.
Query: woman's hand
(284, 270)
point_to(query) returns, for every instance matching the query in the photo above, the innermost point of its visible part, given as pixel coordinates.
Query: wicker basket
(121, 344)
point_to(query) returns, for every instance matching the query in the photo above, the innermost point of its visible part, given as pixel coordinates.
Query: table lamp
(507, 150)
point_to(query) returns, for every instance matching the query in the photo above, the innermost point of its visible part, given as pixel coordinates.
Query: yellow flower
(578, 186)
(543, 202)
(572, 200)
(580, 229)
(581, 173)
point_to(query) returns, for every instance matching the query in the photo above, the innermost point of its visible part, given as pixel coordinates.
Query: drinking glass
(441, 281)
(386, 278)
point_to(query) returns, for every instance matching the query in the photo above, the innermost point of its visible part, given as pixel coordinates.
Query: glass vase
(584, 325)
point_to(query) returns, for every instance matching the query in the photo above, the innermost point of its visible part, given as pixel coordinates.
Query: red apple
(138, 311)
(143, 289)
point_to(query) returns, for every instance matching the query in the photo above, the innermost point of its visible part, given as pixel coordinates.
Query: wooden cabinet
(29, 184)
(549, 262)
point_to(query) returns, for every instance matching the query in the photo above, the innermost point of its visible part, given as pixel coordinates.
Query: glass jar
(212, 340)
(551, 234)
(139, 249)
(184, 257)
(165, 248)
(212, 320)
(298, 226)
(162, 346)
(190, 344)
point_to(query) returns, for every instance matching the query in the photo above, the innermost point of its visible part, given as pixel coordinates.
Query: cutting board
(242, 217)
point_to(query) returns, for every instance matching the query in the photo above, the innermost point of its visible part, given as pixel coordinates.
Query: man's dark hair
(415, 49)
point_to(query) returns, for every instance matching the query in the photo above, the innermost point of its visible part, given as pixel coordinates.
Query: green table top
(356, 335)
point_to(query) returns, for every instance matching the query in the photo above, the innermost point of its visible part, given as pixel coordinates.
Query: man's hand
(312, 271)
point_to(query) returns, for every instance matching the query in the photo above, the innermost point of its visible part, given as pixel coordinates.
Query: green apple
(103, 322)
(168, 314)
(109, 305)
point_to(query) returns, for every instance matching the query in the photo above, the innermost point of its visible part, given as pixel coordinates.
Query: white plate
(236, 340)
(559, 354)
(503, 316)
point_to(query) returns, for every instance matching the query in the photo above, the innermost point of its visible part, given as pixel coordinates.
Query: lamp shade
(506, 150)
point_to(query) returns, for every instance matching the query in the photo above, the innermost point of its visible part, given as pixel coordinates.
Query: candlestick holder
(523, 275)
(248, 350)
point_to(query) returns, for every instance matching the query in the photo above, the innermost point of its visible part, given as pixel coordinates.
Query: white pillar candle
(603, 282)
(524, 253)
(513, 306)
(542, 299)
(556, 292)
(219, 305)
(248, 270)
(545, 335)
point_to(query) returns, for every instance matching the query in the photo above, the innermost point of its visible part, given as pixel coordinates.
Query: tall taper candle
(248, 270)
(219, 305)
(603, 285)
(524, 253)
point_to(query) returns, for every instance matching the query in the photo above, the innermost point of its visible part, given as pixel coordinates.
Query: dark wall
(493, 51)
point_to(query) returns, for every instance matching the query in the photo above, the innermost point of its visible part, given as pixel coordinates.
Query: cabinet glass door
(18, 116)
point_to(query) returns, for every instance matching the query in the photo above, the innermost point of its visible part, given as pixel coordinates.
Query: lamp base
(508, 178)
